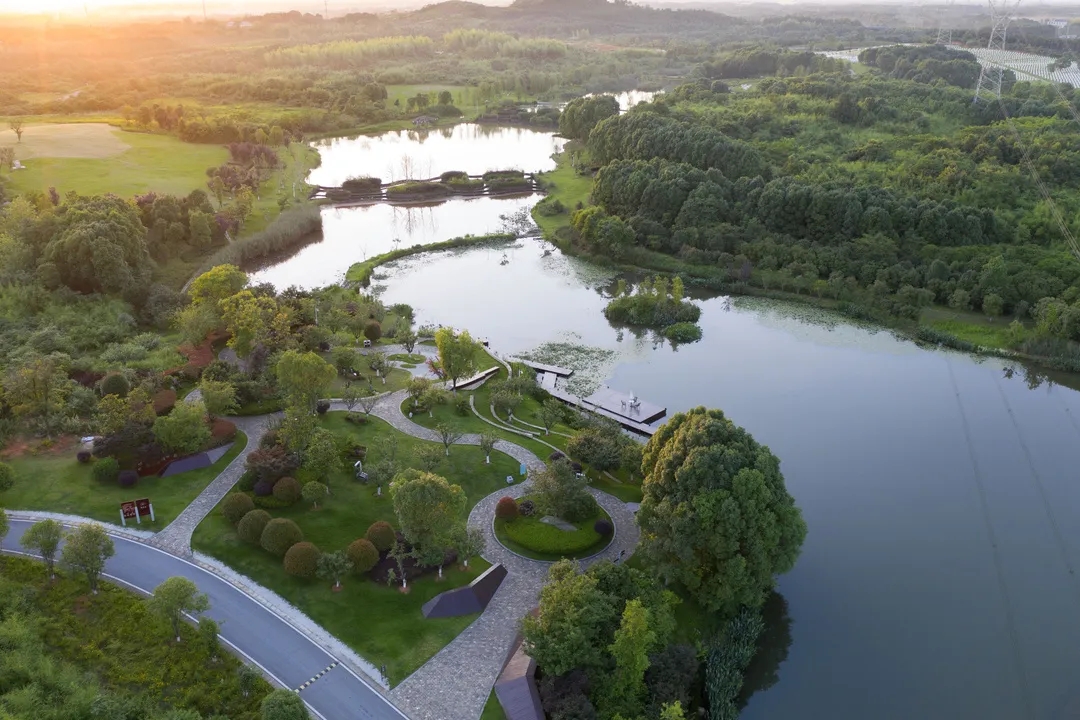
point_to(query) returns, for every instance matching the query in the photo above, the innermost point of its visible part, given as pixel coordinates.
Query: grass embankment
(380, 623)
(361, 272)
(64, 485)
(112, 642)
(95, 158)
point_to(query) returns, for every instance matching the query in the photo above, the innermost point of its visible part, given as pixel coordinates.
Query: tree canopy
(427, 507)
(98, 244)
(716, 517)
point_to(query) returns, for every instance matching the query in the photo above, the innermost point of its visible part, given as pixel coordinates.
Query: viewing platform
(623, 408)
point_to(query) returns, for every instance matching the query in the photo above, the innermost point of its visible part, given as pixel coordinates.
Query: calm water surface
(419, 154)
(908, 465)
(938, 577)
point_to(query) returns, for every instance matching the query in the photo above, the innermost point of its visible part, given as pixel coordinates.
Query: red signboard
(143, 507)
(128, 510)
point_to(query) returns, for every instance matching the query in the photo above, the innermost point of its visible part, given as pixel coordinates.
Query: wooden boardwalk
(542, 368)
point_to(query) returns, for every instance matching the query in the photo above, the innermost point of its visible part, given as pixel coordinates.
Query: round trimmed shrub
(106, 470)
(603, 527)
(363, 555)
(576, 467)
(302, 559)
(128, 478)
(527, 508)
(288, 490)
(322, 407)
(83, 456)
(279, 535)
(115, 384)
(236, 506)
(264, 488)
(373, 330)
(506, 508)
(557, 455)
(251, 526)
(381, 535)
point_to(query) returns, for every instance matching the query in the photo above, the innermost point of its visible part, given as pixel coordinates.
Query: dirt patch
(22, 446)
(69, 140)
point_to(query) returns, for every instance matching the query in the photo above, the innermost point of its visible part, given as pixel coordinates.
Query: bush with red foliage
(221, 432)
(271, 463)
(506, 508)
(128, 478)
(83, 456)
(164, 401)
(603, 527)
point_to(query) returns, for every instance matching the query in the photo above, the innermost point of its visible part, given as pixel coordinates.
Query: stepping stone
(558, 522)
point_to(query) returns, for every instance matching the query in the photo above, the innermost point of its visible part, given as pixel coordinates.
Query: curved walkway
(456, 682)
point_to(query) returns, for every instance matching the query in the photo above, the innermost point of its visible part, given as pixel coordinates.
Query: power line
(1010, 622)
(991, 74)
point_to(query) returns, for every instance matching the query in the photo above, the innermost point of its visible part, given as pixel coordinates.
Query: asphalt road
(258, 635)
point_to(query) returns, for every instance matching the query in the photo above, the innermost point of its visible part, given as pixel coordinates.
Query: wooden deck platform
(478, 378)
(625, 406)
(628, 422)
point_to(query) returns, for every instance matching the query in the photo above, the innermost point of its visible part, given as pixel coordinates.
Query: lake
(909, 465)
(938, 576)
(422, 154)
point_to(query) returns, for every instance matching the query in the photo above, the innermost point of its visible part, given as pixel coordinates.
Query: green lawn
(381, 624)
(532, 535)
(63, 485)
(492, 709)
(159, 163)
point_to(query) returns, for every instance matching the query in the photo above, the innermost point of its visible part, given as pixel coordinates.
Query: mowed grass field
(95, 158)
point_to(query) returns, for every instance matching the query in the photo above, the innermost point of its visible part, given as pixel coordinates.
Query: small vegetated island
(654, 304)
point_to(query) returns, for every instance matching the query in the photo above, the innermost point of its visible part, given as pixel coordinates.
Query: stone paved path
(456, 682)
(176, 537)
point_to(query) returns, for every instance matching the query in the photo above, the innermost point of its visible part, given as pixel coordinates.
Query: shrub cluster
(506, 508)
(279, 535)
(106, 470)
(381, 535)
(363, 555)
(251, 526)
(302, 560)
(288, 490)
(236, 506)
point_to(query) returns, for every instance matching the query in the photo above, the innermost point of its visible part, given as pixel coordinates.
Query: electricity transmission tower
(944, 32)
(1002, 13)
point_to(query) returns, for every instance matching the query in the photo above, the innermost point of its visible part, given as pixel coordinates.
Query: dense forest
(889, 192)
